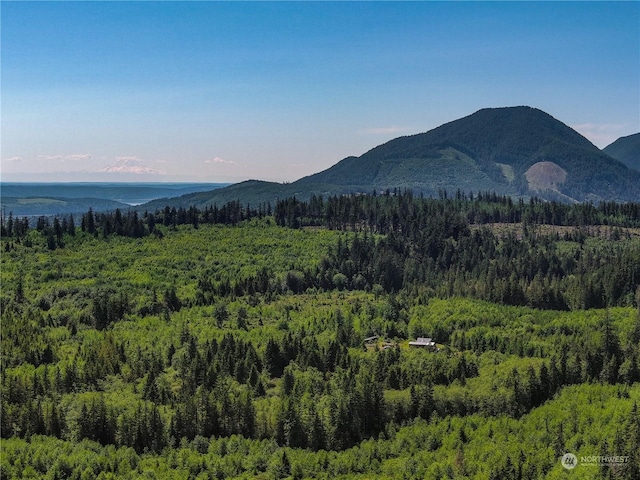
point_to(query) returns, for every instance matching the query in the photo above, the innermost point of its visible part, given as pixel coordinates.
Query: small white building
(422, 342)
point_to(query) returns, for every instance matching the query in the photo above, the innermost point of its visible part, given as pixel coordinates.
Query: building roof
(423, 342)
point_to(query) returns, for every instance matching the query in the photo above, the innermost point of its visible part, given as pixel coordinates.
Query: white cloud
(12, 159)
(79, 156)
(131, 159)
(63, 158)
(601, 134)
(219, 160)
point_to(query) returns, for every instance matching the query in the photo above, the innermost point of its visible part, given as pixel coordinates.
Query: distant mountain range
(51, 206)
(517, 151)
(35, 199)
(627, 150)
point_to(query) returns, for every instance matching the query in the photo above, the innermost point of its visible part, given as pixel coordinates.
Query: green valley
(273, 342)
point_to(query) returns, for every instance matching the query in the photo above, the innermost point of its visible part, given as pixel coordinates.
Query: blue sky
(226, 91)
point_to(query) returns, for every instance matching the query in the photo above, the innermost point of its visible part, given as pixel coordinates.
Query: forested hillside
(491, 149)
(627, 150)
(273, 341)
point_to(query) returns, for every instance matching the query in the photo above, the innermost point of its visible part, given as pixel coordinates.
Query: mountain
(627, 150)
(45, 206)
(517, 151)
(34, 199)
(251, 192)
(514, 151)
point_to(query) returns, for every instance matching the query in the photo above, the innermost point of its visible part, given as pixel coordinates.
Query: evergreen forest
(272, 341)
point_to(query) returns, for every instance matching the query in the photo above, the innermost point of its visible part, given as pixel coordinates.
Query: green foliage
(238, 351)
(429, 246)
(580, 420)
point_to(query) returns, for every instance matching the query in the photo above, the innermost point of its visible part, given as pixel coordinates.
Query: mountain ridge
(489, 150)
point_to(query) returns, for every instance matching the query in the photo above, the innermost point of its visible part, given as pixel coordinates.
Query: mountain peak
(514, 151)
(491, 149)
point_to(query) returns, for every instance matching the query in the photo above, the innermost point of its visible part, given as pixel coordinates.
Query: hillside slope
(626, 150)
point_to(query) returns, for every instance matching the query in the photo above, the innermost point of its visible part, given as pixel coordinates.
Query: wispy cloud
(218, 160)
(12, 159)
(382, 130)
(132, 159)
(601, 134)
(64, 158)
(79, 156)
